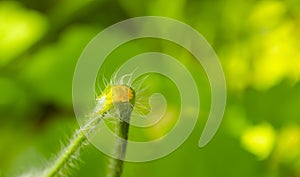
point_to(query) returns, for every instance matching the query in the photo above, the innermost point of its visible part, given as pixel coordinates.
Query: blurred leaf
(19, 29)
(50, 71)
(259, 140)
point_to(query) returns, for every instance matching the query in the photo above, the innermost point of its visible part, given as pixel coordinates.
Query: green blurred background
(257, 43)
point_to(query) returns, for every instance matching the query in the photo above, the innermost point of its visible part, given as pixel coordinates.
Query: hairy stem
(121, 130)
(71, 152)
(76, 143)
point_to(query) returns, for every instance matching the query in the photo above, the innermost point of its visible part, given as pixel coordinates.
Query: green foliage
(257, 43)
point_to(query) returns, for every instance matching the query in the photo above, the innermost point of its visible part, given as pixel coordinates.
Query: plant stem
(74, 146)
(121, 130)
(71, 152)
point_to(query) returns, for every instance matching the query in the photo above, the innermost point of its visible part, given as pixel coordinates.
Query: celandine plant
(117, 101)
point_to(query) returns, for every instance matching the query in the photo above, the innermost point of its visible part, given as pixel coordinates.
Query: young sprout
(116, 97)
